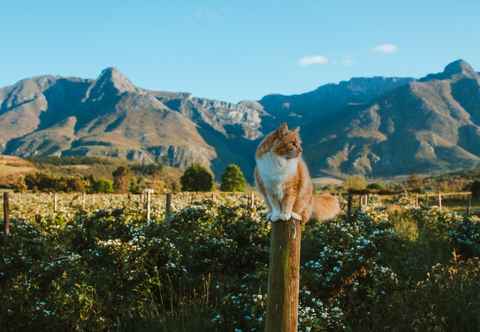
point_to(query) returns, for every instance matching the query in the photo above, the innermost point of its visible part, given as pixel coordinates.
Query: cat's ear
(283, 129)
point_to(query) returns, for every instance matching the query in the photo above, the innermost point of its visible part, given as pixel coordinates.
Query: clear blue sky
(235, 50)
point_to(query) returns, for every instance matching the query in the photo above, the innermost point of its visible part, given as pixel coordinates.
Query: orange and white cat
(283, 179)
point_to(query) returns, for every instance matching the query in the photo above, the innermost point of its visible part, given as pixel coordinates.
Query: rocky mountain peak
(112, 76)
(459, 67)
(110, 82)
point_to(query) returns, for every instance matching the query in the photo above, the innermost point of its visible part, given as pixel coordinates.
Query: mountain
(431, 124)
(109, 116)
(373, 126)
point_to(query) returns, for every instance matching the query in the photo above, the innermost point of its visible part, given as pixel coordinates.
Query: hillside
(376, 126)
(427, 125)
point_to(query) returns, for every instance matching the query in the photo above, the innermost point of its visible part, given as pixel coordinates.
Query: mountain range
(379, 126)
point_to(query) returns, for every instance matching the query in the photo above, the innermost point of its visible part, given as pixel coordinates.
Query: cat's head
(287, 143)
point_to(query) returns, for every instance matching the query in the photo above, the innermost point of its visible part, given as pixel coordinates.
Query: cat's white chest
(275, 170)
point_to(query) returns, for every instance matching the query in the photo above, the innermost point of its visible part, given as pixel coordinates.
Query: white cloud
(313, 60)
(386, 48)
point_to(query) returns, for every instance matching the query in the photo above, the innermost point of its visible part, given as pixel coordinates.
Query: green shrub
(196, 178)
(233, 179)
(355, 183)
(475, 189)
(101, 186)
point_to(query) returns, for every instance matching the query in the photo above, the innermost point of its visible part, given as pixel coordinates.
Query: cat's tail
(325, 206)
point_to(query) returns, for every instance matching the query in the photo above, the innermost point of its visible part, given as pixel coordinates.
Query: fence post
(284, 277)
(6, 217)
(252, 200)
(349, 205)
(168, 206)
(149, 203)
(54, 202)
(440, 200)
(469, 205)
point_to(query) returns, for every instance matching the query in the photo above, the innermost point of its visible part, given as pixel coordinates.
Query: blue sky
(235, 50)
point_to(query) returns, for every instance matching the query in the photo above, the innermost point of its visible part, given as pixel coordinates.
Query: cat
(283, 179)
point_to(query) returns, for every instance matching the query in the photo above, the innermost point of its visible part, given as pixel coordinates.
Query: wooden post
(440, 200)
(284, 277)
(469, 205)
(252, 200)
(349, 206)
(149, 203)
(168, 206)
(6, 217)
(54, 202)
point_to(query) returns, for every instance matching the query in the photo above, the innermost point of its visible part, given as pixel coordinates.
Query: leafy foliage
(206, 270)
(196, 178)
(233, 179)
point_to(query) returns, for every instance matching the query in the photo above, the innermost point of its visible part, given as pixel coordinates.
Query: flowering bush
(110, 269)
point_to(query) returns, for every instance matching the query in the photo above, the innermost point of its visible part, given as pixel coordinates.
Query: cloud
(386, 48)
(313, 60)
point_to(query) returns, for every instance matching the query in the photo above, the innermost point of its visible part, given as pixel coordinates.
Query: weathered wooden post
(252, 200)
(284, 277)
(149, 203)
(168, 206)
(440, 200)
(349, 205)
(469, 205)
(55, 202)
(6, 216)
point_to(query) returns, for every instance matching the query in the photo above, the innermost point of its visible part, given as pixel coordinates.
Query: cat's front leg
(286, 207)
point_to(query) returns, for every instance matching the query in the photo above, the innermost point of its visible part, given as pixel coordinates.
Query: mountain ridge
(374, 126)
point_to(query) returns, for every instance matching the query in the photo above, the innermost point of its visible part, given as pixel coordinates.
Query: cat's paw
(273, 216)
(296, 216)
(285, 216)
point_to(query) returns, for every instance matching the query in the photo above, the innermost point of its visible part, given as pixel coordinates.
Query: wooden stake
(168, 206)
(6, 216)
(440, 200)
(284, 277)
(252, 200)
(469, 205)
(349, 205)
(149, 203)
(54, 202)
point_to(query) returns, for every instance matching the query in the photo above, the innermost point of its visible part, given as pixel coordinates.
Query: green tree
(121, 179)
(355, 183)
(414, 183)
(233, 179)
(196, 178)
(475, 189)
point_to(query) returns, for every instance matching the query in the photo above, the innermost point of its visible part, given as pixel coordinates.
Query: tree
(415, 183)
(355, 183)
(196, 178)
(233, 179)
(121, 179)
(475, 189)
